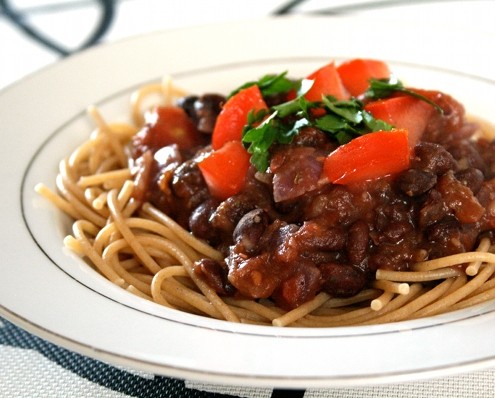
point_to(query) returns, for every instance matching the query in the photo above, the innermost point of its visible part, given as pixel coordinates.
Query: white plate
(55, 295)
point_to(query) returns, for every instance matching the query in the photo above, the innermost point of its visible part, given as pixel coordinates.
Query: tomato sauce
(288, 233)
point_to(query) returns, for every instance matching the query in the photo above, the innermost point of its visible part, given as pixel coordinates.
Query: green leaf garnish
(383, 88)
(349, 110)
(270, 85)
(342, 120)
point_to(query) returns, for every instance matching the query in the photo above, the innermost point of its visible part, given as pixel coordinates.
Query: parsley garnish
(270, 85)
(341, 120)
(383, 88)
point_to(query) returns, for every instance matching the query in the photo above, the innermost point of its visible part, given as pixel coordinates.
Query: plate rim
(74, 345)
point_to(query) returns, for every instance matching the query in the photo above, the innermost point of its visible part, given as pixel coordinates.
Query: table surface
(34, 34)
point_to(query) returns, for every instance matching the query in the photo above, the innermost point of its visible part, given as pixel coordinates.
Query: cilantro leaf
(270, 85)
(349, 110)
(259, 139)
(375, 124)
(382, 88)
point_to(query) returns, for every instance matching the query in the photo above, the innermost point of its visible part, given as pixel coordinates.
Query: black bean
(299, 288)
(472, 178)
(249, 230)
(414, 182)
(199, 223)
(214, 275)
(433, 158)
(187, 103)
(342, 280)
(203, 110)
(357, 242)
(467, 155)
(395, 231)
(230, 211)
(188, 185)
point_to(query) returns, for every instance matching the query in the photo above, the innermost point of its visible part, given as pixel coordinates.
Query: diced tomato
(225, 169)
(356, 74)
(403, 112)
(368, 157)
(168, 125)
(233, 117)
(326, 82)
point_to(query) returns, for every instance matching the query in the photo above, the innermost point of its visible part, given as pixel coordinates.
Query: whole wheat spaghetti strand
(128, 235)
(483, 297)
(340, 319)
(130, 208)
(194, 299)
(207, 291)
(57, 200)
(120, 175)
(454, 297)
(185, 249)
(69, 176)
(81, 207)
(338, 310)
(170, 91)
(79, 229)
(165, 89)
(110, 257)
(142, 276)
(397, 302)
(420, 276)
(132, 289)
(125, 193)
(389, 286)
(490, 284)
(123, 131)
(381, 301)
(92, 193)
(159, 277)
(301, 311)
(184, 235)
(180, 304)
(131, 264)
(137, 99)
(83, 152)
(249, 317)
(337, 302)
(411, 307)
(114, 143)
(473, 267)
(459, 281)
(100, 201)
(455, 259)
(107, 164)
(260, 309)
(73, 244)
(134, 223)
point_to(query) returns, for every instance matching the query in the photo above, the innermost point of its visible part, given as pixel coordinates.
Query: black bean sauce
(331, 238)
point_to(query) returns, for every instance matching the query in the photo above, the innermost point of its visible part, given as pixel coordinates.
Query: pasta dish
(341, 198)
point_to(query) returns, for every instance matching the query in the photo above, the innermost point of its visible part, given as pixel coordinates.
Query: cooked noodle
(144, 251)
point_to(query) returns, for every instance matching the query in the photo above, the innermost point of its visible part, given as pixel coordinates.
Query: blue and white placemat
(31, 367)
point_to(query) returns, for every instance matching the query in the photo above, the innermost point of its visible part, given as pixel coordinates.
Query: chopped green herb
(259, 139)
(382, 88)
(350, 110)
(342, 120)
(270, 85)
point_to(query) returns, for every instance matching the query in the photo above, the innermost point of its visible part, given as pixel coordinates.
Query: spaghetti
(143, 250)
